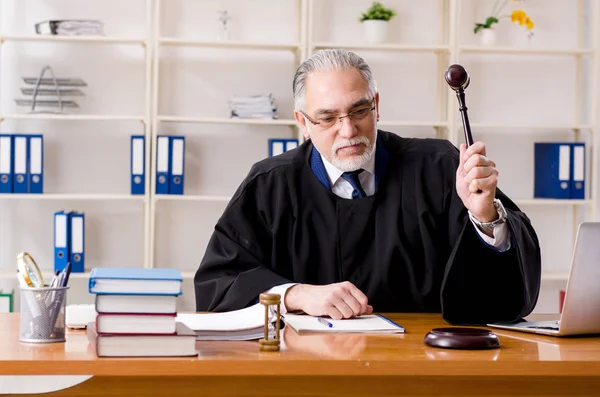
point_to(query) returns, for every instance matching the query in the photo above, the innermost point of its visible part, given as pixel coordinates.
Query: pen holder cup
(43, 314)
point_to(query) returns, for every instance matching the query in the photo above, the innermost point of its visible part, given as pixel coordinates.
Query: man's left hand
(477, 172)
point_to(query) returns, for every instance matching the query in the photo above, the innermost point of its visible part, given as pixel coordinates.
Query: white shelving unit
(143, 118)
(444, 121)
(298, 48)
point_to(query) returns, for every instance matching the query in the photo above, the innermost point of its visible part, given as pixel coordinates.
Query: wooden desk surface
(317, 354)
(521, 358)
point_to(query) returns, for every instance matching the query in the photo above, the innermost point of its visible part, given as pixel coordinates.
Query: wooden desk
(350, 365)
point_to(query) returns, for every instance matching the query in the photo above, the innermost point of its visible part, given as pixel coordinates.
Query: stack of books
(136, 314)
(253, 107)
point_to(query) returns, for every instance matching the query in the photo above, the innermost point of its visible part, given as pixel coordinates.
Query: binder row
(21, 163)
(170, 164)
(559, 170)
(278, 146)
(69, 240)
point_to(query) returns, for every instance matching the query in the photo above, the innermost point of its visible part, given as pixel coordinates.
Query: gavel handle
(460, 94)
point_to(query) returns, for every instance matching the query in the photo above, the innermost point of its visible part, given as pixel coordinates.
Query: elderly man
(357, 219)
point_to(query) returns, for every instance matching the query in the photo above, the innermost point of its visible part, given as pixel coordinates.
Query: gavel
(458, 79)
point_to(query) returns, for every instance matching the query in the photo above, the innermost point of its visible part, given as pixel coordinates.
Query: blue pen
(325, 322)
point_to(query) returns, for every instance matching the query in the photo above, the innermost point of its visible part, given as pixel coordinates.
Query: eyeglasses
(326, 122)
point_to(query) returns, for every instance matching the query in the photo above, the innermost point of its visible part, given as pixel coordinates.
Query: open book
(368, 324)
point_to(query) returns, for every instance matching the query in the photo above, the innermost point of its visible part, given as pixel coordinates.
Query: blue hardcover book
(135, 281)
(552, 178)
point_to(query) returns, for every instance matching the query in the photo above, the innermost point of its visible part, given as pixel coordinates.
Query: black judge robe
(410, 247)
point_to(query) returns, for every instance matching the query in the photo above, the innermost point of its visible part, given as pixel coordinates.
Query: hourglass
(271, 341)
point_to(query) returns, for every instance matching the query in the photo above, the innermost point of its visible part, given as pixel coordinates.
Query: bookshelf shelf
(548, 127)
(524, 50)
(75, 39)
(383, 47)
(73, 117)
(46, 274)
(238, 45)
(555, 276)
(174, 197)
(60, 196)
(396, 123)
(536, 202)
(223, 120)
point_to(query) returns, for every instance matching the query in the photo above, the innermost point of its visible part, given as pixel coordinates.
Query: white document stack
(71, 27)
(261, 106)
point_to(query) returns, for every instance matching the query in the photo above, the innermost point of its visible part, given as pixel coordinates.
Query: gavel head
(457, 77)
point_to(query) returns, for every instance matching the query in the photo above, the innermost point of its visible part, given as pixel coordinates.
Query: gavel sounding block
(462, 338)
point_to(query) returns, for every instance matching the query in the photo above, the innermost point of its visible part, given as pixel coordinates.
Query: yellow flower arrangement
(521, 17)
(516, 16)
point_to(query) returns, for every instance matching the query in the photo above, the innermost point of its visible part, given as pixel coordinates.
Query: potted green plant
(376, 20)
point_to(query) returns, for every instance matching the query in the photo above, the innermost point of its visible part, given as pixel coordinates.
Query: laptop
(581, 308)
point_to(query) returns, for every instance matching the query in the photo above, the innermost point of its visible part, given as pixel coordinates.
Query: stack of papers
(70, 27)
(367, 324)
(253, 107)
(243, 324)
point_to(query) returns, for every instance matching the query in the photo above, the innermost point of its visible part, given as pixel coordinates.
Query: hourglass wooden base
(270, 343)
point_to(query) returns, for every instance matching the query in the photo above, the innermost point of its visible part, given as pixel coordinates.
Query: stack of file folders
(559, 170)
(253, 107)
(21, 163)
(69, 241)
(170, 164)
(136, 314)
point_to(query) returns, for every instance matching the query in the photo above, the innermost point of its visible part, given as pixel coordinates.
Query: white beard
(356, 162)
(351, 164)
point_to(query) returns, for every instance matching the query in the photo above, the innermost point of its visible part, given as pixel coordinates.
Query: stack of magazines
(261, 106)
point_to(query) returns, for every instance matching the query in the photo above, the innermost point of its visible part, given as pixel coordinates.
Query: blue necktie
(352, 178)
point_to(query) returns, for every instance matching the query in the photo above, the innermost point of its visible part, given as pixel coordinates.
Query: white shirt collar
(335, 173)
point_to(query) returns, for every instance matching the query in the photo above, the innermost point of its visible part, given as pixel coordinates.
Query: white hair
(327, 60)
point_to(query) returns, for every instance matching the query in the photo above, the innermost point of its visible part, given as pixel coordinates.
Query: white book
(135, 323)
(164, 304)
(243, 324)
(368, 324)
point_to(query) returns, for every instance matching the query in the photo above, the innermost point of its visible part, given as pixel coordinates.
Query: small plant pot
(487, 37)
(376, 31)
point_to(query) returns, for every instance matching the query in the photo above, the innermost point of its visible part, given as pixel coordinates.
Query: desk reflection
(434, 353)
(339, 346)
(550, 348)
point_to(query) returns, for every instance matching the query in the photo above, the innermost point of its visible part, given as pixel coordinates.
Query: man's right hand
(340, 300)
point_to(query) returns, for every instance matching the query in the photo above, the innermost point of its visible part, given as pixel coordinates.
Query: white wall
(93, 157)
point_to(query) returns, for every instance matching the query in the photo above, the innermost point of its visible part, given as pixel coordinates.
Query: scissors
(29, 270)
